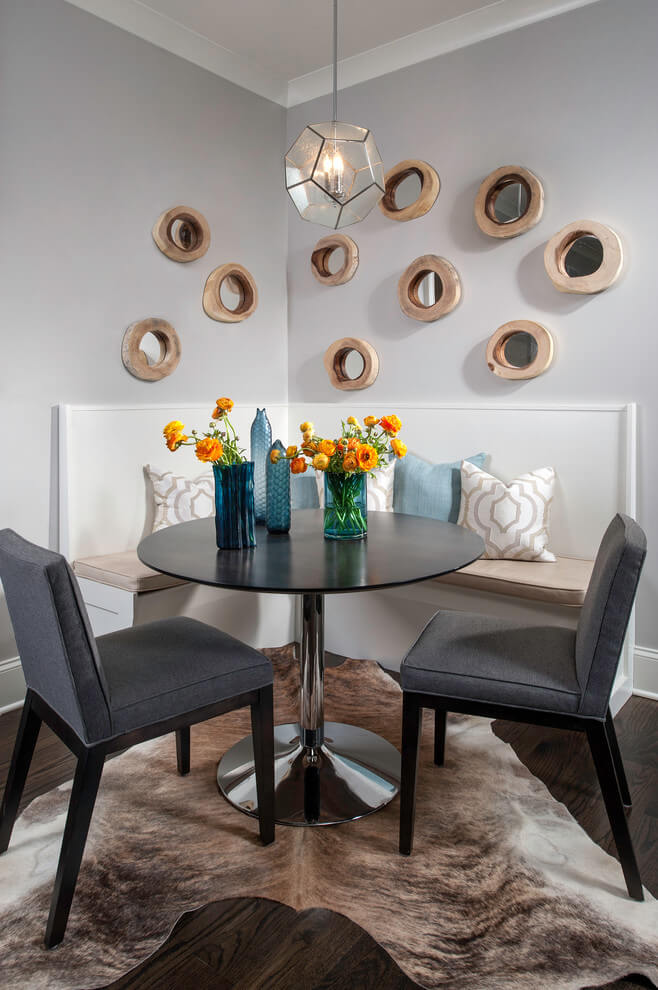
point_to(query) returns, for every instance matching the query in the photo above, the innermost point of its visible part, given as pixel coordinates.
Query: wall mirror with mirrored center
(335, 259)
(429, 288)
(509, 202)
(150, 349)
(584, 257)
(351, 363)
(520, 350)
(182, 234)
(411, 188)
(230, 294)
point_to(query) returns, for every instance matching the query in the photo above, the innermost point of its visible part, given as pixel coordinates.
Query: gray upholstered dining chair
(545, 675)
(104, 695)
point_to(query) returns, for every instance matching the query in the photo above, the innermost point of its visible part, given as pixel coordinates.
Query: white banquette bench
(105, 508)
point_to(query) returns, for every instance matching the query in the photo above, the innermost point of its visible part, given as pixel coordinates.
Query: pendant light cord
(335, 92)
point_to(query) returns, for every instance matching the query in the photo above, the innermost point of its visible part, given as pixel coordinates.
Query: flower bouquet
(346, 462)
(234, 474)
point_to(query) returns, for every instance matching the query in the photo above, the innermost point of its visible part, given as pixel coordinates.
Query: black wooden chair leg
(262, 727)
(81, 806)
(412, 720)
(617, 760)
(183, 750)
(439, 736)
(26, 738)
(605, 769)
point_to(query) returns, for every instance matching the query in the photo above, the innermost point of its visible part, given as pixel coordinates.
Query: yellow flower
(298, 465)
(174, 427)
(291, 451)
(307, 435)
(275, 455)
(174, 440)
(370, 421)
(225, 404)
(398, 448)
(328, 447)
(209, 449)
(366, 456)
(320, 462)
(350, 462)
(353, 421)
(391, 424)
(306, 428)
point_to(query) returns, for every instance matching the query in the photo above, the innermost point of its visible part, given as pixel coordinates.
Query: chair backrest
(55, 642)
(606, 611)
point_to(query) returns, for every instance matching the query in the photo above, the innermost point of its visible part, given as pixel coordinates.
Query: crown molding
(496, 18)
(163, 31)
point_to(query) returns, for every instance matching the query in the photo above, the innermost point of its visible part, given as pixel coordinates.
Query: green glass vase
(345, 506)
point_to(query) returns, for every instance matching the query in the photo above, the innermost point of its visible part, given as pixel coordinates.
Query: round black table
(325, 772)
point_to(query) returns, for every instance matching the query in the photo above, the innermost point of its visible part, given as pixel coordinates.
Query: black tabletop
(399, 549)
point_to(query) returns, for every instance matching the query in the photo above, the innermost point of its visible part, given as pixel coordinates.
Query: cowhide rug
(503, 890)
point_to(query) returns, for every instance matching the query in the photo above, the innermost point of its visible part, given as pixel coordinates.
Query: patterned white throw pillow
(180, 499)
(379, 488)
(512, 519)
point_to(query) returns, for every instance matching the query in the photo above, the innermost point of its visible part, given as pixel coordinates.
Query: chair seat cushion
(123, 570)
(481, 658)
(564, 582)
(173, 666)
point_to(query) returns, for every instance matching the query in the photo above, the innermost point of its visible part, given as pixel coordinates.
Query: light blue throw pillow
(434, 490)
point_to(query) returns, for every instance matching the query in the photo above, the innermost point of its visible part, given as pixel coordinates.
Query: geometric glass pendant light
(334, 172)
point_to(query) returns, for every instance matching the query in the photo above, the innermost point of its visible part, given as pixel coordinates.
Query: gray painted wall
(572, 99)
(99, 133)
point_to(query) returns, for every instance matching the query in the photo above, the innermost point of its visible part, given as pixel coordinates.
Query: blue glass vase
(261, 442)
(278, 493)
(234, 505)
(345, 506)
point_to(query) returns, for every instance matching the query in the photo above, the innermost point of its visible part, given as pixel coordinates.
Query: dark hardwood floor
(558, 758)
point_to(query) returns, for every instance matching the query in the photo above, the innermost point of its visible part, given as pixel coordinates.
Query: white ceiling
(282, 49)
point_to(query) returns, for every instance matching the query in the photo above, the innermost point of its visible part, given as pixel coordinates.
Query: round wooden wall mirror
(351, 363)
(335, 259)
(519, 350)
(411, 188)
(230, 294)
(584, 257)
(509, 202)
(150, 349)
(182, 233)
(429, 288)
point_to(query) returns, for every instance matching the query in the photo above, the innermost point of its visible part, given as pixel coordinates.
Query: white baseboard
(645, 673)
(12, 684)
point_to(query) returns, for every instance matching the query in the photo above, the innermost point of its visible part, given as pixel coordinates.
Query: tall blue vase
(261, 441)
(234, 505)
(278, 493)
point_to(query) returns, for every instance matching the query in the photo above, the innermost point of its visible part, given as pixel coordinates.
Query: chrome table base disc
(354, 773)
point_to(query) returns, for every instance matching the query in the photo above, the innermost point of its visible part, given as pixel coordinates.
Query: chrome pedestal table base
(324, 773)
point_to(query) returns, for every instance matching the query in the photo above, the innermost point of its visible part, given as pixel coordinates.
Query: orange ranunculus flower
(298, 465)
(174, 440)
(327, 447)
(275, 455)
(350, 462)
(398, 448)
(391, 424)
(174, 427)
(291, 451)
(310, 448)
(320, 462)
(352, 443)
(370, 420)
(367, 457)
(209, 449)
(306, 428)
(225, 404)
(217, 413)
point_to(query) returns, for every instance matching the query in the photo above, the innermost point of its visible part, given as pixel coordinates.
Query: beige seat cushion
(124, 570)
(561, 583)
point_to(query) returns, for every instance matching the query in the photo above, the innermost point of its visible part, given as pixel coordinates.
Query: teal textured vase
(234, 505)
(345, 506)
(278, 493)
(261, 441)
